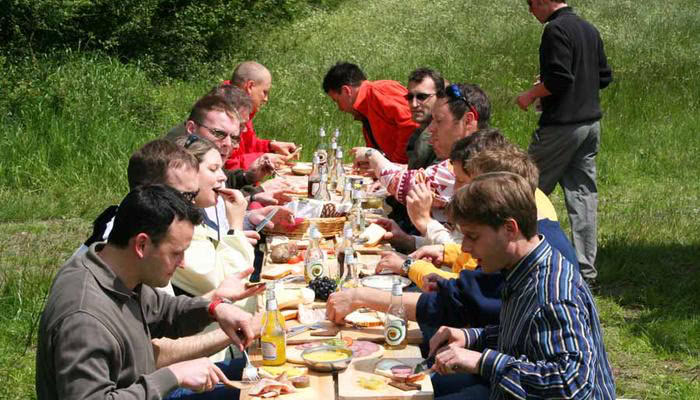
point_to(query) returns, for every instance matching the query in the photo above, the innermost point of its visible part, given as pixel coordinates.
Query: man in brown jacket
(102, 311)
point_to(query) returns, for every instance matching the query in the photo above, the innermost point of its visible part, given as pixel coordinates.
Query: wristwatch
(368, 154)
(406, 266)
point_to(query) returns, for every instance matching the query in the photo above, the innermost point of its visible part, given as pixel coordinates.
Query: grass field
(69, 124)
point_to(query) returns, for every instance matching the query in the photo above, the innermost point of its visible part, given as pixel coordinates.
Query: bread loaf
(373, 234)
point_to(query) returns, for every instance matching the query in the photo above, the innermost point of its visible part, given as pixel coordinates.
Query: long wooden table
(344, 384)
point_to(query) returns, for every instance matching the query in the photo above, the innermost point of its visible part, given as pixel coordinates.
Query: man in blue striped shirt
(549, 342)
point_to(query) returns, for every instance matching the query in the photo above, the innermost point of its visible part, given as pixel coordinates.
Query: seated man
(102, 311)
(492, 159)
(255, 80)
(459, 111)
(548, 343)
(381, 106)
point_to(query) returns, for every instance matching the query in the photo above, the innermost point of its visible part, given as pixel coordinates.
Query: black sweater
(573, 68)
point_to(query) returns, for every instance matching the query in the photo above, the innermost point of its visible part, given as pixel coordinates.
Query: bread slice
(374, 234)
(365, 319)
(289, 314)
(277, 272)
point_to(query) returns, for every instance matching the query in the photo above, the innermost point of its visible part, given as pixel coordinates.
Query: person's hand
(433, 253)
(236, 205)
(524, 100)
(430, 282)
(283, 148)
(446, 336)
(199, 375)
(283, 216)
(391, 261)
(358, 155)
(273, 197)
(419, 201)
(375, 186)
(262, 167)
(394, 234)
(455, 359)
(252, 236)
(340, 304)
(233, 286)
(256, 324)
(236, 323)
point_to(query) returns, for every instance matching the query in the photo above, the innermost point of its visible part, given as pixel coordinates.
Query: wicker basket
(329, 227)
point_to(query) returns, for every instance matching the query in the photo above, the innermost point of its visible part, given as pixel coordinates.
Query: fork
(250, 372)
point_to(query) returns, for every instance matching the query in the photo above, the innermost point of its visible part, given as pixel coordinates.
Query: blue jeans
(460, 386)
(231, 368)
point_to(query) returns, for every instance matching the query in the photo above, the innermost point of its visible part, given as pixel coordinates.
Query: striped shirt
(549, 343)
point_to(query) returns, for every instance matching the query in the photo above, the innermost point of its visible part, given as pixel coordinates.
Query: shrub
(169, 36)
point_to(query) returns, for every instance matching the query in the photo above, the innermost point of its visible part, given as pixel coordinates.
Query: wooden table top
(344, 384)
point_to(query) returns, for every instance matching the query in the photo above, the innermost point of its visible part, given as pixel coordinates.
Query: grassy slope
(648, 168)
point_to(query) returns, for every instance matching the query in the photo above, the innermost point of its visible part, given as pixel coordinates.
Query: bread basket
(329, 227)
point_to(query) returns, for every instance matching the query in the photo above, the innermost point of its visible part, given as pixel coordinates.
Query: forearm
(539, 90)
(169, 351)
(380, 300)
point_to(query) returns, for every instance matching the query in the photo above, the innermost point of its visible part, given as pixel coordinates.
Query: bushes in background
(168, 36)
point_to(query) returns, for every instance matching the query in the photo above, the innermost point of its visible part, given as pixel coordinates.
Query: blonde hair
(195, 145)
(507, 158)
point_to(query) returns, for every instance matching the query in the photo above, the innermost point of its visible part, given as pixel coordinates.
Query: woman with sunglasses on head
(219, 250)
(459, 111)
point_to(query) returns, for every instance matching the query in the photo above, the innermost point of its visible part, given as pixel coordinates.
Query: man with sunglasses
(423, 85)
(380, 105)
(573, 69)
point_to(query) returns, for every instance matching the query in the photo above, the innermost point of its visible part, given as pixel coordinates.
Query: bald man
(253, 78)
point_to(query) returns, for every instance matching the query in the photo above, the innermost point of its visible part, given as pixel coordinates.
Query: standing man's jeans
(565, 154)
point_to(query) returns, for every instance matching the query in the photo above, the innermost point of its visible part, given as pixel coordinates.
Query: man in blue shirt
(549, 343)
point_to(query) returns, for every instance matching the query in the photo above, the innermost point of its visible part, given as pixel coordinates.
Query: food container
(314, 358)
(329, 227)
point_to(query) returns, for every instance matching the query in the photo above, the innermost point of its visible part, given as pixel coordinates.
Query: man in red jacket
(381, 106)
(254, 79)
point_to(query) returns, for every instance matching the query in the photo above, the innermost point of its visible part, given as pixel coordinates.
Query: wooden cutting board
(348, 388)
(373, 334)
(321, 385)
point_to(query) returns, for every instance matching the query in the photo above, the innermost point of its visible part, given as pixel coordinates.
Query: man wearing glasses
(573, 68)
(423, 84)
(380, 105)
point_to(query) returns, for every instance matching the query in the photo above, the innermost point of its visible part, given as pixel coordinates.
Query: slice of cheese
(272, 372)
(373, 234)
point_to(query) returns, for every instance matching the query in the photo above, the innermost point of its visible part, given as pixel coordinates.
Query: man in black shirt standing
(573, 68)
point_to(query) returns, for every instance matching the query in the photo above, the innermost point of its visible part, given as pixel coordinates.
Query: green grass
(69, 123)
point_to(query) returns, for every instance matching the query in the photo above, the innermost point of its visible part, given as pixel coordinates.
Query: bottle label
(314, 270)
(269, 351)
(395, 331)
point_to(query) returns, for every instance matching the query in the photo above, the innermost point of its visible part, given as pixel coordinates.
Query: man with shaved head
(254, 79)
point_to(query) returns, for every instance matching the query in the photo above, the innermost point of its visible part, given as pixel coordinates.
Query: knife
(267, 219)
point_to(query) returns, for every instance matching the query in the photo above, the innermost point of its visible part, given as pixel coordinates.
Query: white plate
(384, 282)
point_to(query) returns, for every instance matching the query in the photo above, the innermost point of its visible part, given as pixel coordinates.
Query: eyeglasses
(189, 196)
(221, 135)
(190, 139)
(421, 97)
(455, 92)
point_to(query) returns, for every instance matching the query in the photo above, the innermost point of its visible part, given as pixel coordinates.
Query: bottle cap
(322, 133)
(316, 159)
(339, 153)
(396, 288)
(314, 233)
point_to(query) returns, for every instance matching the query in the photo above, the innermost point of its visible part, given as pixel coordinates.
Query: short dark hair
(234, 95)
(341, 74)
(418, 75)
(212, 102)
(150, 209)
(467, 147)
(474, 96)
(492, 198)
(150, 164)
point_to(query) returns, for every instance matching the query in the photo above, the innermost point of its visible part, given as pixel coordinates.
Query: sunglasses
(421, 97)
(190, 139)
(189, 196)
(221, 135)
(456, 93)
